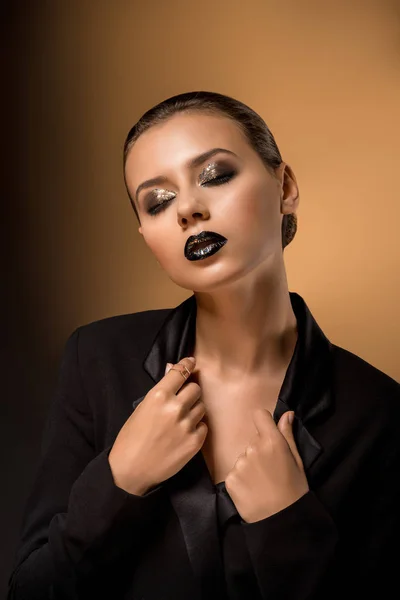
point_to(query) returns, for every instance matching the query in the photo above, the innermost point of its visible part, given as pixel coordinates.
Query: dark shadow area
(28, 366)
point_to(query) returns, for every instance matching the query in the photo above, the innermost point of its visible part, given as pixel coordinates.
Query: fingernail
(168, 367)
(192, 358)
(291, 417)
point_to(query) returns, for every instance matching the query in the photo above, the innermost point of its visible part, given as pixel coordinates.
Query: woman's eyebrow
(198, 160)
(194, 162)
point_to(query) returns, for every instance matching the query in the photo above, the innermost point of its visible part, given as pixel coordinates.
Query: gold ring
(185, 377)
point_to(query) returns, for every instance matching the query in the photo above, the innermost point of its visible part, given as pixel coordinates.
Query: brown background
(324, 75)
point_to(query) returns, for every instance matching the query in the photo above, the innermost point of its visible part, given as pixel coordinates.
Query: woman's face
(230, 192)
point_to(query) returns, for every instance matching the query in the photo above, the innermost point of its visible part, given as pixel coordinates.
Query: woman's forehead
(182, 137)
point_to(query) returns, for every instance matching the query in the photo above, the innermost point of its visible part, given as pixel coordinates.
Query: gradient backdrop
(324, 75)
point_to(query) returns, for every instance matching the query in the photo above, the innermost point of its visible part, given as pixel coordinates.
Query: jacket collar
(306, 390)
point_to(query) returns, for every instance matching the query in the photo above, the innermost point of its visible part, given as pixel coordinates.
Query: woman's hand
(269, 475)
(161, 435)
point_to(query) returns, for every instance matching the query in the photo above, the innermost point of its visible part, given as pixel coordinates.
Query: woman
(260, 460)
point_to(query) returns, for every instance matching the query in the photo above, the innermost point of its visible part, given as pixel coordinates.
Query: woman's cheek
(248, 213)
(166, 254)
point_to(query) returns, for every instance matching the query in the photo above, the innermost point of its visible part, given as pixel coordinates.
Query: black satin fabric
(240, 579)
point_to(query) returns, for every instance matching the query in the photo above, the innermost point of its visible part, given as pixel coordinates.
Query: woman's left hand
(269, 475)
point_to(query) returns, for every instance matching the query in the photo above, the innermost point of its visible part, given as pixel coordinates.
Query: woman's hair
(252, 125)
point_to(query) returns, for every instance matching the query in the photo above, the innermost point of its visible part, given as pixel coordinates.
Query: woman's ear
(289, 191)
(140, 230)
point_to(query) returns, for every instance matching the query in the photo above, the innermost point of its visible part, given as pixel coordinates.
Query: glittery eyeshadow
(210, 172)
(163, 194)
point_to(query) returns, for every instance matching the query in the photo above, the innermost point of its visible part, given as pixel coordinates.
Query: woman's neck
(245, 332)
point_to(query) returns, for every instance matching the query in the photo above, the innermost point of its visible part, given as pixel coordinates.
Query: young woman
(260, 460)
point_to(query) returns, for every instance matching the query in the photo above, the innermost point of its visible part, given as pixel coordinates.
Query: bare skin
(229, 408)
(245, 327)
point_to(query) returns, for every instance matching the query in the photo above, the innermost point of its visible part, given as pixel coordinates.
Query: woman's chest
(229, 417)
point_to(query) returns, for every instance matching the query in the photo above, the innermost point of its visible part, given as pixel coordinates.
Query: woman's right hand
(162, 434)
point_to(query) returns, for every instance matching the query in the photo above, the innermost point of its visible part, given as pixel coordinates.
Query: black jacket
(83, 537)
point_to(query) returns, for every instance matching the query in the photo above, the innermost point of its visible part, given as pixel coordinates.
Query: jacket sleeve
(292, 550)
(303, 553)
(77, 523)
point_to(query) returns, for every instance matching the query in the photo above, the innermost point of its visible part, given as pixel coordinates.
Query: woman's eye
(153, 210)
(220, 179)
(164, 197)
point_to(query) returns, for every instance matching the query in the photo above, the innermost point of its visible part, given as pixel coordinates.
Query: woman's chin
(208, 280)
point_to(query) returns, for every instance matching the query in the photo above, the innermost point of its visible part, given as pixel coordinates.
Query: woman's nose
(190, 210)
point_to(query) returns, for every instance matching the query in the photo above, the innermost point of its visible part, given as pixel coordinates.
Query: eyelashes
(220, 179)
(207, 178)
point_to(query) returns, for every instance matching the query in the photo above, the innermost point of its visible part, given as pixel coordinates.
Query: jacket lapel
(306, 390)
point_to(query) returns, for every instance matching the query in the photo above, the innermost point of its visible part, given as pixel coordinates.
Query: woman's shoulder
(115, 323)
(130, 330)
(356, 378)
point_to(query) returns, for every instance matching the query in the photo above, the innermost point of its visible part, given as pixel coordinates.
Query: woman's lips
(204, 244)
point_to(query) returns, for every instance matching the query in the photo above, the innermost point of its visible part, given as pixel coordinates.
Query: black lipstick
(204, 244)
